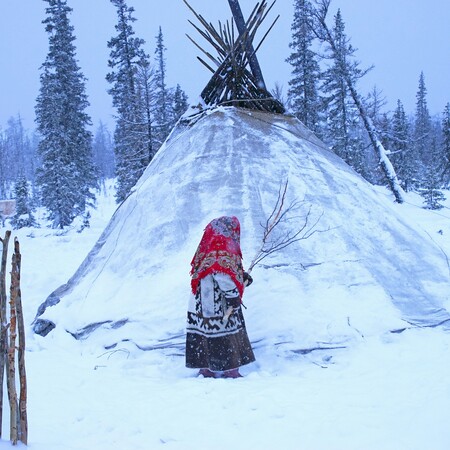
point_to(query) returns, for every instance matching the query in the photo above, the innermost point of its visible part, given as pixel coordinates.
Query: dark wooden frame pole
(253, 60)
(3, 321)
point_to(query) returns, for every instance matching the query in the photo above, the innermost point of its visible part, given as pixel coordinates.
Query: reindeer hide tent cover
(231, 161)
(227, 160)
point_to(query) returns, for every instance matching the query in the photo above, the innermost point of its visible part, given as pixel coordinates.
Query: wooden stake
(11, 361)
(23, 419)
(3, 321)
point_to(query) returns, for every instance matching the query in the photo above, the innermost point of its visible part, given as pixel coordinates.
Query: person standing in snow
(216, 340)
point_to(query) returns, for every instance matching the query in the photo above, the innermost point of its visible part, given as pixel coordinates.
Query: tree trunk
(23, 419)
(386, 165)
(11, 362)
(3, 321)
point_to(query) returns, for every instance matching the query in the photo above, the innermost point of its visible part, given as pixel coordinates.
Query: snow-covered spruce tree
(349, 73)
(422, 128)
(163, 122)
(103, 152)
(24, 209)
(384, 127)
(374, 103)
(67, 172)
(131, 138)
(400, 146)
(34, 161)
(303, 96)
(446, 145)
(17, 156)
(179, 104)
(15, 143)
(343, 117)
(432, 179)
(146, 92)
(7, 169)
(278, 93)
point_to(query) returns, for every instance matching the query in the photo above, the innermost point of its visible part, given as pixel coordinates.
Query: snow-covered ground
(343, 324)
(384, 391)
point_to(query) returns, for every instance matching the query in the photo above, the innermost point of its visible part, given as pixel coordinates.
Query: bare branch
(271, 243)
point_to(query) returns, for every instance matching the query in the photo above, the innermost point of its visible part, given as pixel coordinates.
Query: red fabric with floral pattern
(219, 251)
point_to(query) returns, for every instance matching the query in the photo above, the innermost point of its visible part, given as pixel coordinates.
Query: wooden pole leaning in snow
(15, 330)
(16, 303)
(11, 361)
(3, 321)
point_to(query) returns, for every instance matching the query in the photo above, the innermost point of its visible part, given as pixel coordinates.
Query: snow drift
(362, 258)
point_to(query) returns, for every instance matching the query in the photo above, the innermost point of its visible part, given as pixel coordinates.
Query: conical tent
(362, 258)
(358, 267)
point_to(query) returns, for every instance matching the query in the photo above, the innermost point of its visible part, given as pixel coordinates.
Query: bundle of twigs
(270, 243)
(232, 82)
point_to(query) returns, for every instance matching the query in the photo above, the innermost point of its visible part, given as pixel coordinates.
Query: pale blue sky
(400, 38)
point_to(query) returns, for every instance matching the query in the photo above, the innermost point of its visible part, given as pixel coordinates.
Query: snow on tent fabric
(232, 161)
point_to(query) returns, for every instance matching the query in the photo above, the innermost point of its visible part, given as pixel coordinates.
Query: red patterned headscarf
(219, 251)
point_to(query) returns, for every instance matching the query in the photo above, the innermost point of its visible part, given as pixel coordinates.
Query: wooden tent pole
(253, 60)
